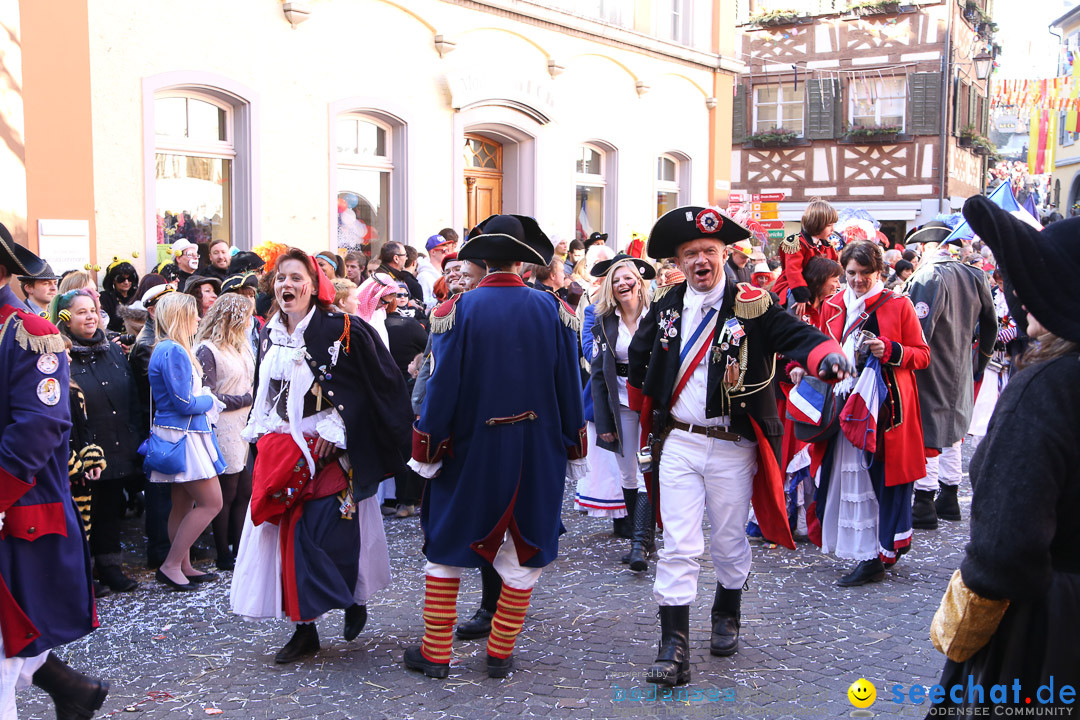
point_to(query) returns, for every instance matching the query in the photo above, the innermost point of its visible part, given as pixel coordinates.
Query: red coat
(905, 351)
(795, 252)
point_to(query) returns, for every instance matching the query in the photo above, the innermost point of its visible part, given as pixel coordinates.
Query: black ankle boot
(355, 619)
(947, 506)
(644, 532)
(304, 642)
(672, 666)
(414, 660)
(726, 617)
(478, 626)
(630, 499)
(75, 695)
(867, 571)
(923, 513)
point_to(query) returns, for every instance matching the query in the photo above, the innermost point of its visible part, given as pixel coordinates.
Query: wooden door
(483, 178)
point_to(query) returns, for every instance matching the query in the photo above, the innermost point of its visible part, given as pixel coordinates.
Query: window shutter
(738, 115)
(822, 118)
(925, 90)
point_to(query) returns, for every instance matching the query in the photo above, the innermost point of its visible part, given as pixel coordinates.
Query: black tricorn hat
(508, 238)
(245, 261)
(236, 283)
(46, 274)
(1024, 256)
(933, 231)
(600, 269)
(691, 223)
(17, 259)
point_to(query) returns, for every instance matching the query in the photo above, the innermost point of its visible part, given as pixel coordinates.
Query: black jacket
(604, 378)
(110, 304)
(139, 360)
(366, 388)
(416, 292)
(113, 413)
(407, 340)
(654, 359)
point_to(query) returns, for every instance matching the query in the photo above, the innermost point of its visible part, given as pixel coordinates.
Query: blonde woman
(621, 301)
(223, 349)
(182, 410)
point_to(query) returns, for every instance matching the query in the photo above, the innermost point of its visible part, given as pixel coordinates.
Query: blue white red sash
(694, 351)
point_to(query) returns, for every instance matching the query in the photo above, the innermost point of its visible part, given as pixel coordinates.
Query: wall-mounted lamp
(296, 12)
(984, 61)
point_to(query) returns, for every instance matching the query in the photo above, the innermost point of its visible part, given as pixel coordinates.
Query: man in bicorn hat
(46, 594)
(953, 303)
(496, 464)
(701, 369)
(39, 290)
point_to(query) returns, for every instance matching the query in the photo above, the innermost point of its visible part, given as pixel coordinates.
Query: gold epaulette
(790, 244)
(443, 316)
(48, 343)
(751, 302)
(662, 291)
(569, 319)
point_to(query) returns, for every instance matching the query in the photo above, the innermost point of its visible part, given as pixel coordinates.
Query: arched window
(594, 179)
(672, 181)
(365, 166)
(195, 156)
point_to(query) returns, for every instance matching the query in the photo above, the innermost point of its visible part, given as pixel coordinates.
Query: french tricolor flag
(805, 403)
(858, 419)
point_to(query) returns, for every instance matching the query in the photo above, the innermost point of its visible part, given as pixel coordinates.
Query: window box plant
(775, 18)
(873, 133)
(978, 144)
(876, 7)
(776, 137)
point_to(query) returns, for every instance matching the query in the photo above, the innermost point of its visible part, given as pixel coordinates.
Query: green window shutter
(822, 119)
(738, 115)
(925, 92)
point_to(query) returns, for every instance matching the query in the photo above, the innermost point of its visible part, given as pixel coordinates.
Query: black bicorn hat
(18, 260)
(594, 238)
(239, 281)
(688, 223)
(646, 270)
(508, 238)
(933, 231)
(245, 261)
(1024, 256)
(46, 274)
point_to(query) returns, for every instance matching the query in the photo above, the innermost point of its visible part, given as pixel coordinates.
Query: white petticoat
(599, 493)
(849, 527)
(256, 581)
(199, 456)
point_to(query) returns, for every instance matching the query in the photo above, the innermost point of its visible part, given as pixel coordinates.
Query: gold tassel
(569, 319)
(443, 324)
(662, 291)
(790, 244)
(751, 309)
(40, 344)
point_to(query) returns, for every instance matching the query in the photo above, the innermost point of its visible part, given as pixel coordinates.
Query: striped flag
(858, 419)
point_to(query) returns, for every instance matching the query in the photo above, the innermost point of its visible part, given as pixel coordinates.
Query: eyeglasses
(401, 255)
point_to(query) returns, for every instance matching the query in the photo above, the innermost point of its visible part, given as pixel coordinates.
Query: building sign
(530, 96)
(64, 244)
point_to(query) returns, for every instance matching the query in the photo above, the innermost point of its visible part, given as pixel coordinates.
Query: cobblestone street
(590, 634)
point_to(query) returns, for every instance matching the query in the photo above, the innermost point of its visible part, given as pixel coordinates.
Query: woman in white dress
(184, 410)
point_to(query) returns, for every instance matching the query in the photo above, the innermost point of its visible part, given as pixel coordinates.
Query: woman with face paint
(329, 418)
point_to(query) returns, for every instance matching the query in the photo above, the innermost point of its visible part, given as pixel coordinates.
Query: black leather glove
(842, 364)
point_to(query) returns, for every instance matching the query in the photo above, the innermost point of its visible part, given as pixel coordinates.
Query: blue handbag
(162, 456)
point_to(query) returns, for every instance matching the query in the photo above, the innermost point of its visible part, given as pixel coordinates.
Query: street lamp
(983, 62)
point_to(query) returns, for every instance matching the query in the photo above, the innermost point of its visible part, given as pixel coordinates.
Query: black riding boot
(75, 695)
(672, 666)
(726, 616)
(644, 533)
(923, 513)
(480, 624)
(624, 527)
(304, 642)
(947, 506)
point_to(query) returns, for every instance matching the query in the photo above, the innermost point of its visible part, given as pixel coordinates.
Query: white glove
(577, 469)
(426, 470)
(2, 516)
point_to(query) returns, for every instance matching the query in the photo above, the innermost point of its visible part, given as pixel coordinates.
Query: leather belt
(715, 432)
(622, 369)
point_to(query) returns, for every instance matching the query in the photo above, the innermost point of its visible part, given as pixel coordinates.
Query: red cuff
(634, 397)
(11, 489)
(888, 348)
(578, 451)
(29, 522)
(818, 354)
(425, 450)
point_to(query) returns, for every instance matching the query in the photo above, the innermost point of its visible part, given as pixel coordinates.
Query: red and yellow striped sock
(509, 617)
(440, 614)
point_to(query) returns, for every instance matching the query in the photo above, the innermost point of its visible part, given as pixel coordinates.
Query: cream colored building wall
(12, 130)
(380, 52)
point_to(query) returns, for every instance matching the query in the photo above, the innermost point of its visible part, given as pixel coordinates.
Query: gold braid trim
(568, 318)
(662, 291)
(790, 244)
(752, 309)
(743, 365)
(443, 324)
(40, 344)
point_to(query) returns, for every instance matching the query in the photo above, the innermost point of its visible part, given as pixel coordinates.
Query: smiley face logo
(862, 693)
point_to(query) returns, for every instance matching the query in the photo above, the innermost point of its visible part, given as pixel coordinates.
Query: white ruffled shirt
(286, 360)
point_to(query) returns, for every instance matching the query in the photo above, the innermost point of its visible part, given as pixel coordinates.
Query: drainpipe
(946, 74)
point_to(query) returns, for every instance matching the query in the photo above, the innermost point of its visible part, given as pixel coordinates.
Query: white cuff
(331, 428)
(577, 469)
(426, 470)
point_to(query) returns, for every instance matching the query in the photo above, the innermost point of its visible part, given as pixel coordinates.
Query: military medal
(716, 352)
(667, 323)
(735, 330)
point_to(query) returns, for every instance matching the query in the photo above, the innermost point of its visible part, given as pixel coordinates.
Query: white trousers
(946, 467)
(16, 673)
(506, 564)
(698, 473)
(630, 434)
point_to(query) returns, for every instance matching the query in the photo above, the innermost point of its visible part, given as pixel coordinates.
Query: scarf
(855, 305)
(696, 304)
(94, 344)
